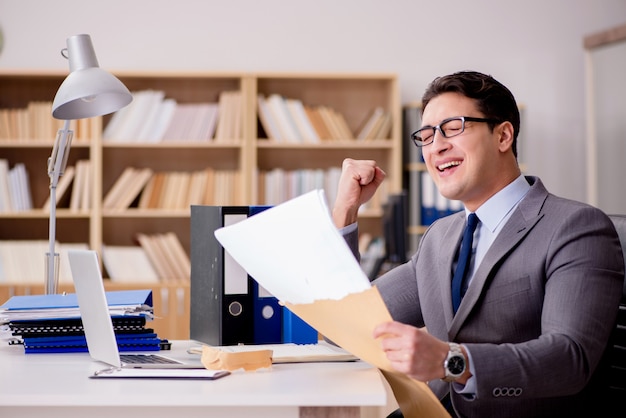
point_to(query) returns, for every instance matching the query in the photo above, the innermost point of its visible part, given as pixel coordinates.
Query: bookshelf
(244, 151)
(354, 96)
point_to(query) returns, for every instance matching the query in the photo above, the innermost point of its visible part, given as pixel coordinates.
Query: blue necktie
(464, 260)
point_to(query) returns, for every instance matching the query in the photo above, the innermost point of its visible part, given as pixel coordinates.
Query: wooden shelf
(354, 95)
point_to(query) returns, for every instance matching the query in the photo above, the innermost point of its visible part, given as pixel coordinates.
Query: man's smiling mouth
(442, 167)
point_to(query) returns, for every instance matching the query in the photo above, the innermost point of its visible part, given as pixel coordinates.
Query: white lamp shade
(88, 90)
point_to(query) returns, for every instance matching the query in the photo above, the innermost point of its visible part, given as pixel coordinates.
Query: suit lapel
(525, 217)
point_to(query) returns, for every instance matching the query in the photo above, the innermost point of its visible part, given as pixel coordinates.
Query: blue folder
(59, 301)
(78, 344)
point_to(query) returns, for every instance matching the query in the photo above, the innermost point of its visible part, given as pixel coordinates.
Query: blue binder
(295, 330)
(78, 344)
(267, 311)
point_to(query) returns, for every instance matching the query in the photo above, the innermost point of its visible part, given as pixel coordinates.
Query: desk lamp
(86, 92)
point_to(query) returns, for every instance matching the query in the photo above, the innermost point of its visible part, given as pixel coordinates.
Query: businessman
(520, 331)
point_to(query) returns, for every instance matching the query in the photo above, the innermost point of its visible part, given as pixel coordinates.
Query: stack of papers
(52, 323)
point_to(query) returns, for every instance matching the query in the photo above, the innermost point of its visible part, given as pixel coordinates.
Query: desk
(57, 385)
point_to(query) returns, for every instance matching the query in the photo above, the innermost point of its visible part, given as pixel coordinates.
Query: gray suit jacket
(538, 313)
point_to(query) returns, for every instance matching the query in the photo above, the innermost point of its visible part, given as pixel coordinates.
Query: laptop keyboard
(146, 359)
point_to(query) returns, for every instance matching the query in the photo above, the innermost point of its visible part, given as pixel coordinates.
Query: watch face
(456, 365)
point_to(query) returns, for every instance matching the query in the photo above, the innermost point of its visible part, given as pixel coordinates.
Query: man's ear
(505, 135)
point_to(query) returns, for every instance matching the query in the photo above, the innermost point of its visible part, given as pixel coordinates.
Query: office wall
(533, 46)
(608, 71)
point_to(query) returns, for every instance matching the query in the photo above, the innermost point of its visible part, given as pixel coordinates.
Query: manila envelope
(349, 322)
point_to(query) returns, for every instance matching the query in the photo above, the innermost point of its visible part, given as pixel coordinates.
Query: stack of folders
(52, 323)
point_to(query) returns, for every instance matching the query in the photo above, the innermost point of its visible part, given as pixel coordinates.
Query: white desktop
(58, 385)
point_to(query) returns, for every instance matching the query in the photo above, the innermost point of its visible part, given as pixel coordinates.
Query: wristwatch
(454, 364)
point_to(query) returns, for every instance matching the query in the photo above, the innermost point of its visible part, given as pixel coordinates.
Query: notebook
(97, 322)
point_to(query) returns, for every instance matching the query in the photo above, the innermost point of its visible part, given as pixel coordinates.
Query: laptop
(97, 323)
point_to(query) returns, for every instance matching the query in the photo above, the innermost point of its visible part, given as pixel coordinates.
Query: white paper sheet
(295, 251)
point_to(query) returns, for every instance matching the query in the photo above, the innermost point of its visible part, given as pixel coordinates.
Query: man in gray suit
(544, 281)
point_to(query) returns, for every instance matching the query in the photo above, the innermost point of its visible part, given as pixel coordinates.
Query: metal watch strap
(453, 354)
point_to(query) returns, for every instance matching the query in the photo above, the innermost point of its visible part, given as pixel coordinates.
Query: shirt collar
(499, 206)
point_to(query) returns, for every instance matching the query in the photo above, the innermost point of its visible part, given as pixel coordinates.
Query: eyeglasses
(448, 128)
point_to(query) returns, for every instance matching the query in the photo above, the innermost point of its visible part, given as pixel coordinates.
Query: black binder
(221, 291)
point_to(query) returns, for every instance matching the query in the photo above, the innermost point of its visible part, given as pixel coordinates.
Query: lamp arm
(56, 167)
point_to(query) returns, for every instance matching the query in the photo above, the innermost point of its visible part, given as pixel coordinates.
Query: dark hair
(493, 99)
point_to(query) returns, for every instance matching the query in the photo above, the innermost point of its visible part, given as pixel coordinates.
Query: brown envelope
(349, 323)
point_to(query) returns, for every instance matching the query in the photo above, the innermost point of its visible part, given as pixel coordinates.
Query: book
(144, 105)
(6, 204)
(180, 119)
(209, 192)
(155, 129)
(134, 187)
(146, 193)
(80, 184)
(62, 186)
(19, 188)
(369, 127)
(237, 119)
(155, 254)
(328, 117)
(5, 128)
(157, 190)
(128, 264)
(126, 188)
(149, 118)
(268, 122)
(168, 191)
(342, 124)
(112, 129)
(181, 259)
(167, 244)
(278, 108)
(181, 189)
(229, 123)
(205, 122)
(302, 121)
(197, 187)
(23, 261)
(384, 128)
(318, 122)
(111, 197)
